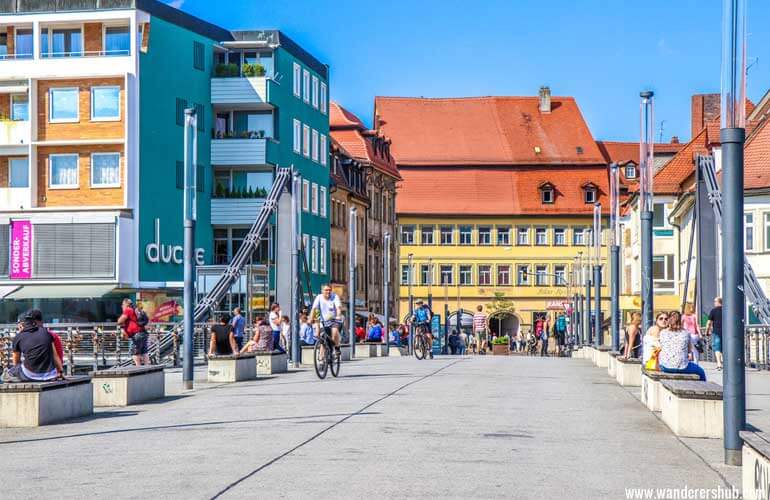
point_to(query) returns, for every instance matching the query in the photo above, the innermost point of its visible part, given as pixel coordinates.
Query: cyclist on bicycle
(328, 305)
(421, 318)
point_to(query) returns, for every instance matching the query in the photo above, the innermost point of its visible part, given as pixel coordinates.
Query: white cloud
(177, 4)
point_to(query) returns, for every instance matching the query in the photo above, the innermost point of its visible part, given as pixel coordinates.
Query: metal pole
(352, 251)
(296, 195)
(597, 242)
(646, 206)
(615, 291)
(410, 273)
(386, 290)
(430, 283)
(587, 310)
(189, 202)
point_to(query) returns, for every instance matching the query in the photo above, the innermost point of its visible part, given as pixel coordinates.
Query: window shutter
(201, 117)
(181, 104)
(180, 175)
(200, 178)
(199, 61)
(74, 250)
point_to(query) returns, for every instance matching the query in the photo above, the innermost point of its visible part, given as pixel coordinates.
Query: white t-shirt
(648, 344)
(275, 320)
(330, 309)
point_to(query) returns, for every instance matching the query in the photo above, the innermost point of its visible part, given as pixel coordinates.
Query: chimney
(705, 107)
(675, 139)
(545, 99)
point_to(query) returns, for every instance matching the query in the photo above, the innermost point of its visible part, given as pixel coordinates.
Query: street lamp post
(353, 254)
(296, 222)
(615, 255)
(386, 291)
(645, 203)
(190, 215)
(587, 278)
(409, 273)
(732, 137)
(581, 304)
(597, 242)
(430, 283)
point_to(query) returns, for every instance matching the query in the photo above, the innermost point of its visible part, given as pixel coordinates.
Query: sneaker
(431, 355)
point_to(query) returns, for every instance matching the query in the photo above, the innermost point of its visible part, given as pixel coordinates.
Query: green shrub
(226, 70)
(255, 69)
(502, 340)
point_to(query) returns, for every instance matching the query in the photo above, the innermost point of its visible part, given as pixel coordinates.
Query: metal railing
(757, 345)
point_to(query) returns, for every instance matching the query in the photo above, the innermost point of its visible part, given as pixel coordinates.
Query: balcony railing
(225, 211)
(85, 53)
(239, 90)
(239, 151)
(14, 133)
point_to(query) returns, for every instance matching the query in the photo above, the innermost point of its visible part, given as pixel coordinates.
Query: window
(64, 105)
(659, 219)
(767, 230)
(425, 274)
(407, 235)
(3, 46)
(559, 236)
(105, 103)
(181, 105)
(589, 195)
(404, 274)
(314, 198)
(19, 107)
(546, 195)
(314, 155)
(63, 171)
(465, 274)
(105, 170)
(306, 141)
(631, 171)
(522, 236)
(305, 195)
(579, 236)
(663, 272)
(541, 275)
(466, 235)
(485, 235)
(324, 150)
(297, 136)
(447, 275)
(305, 85)
(314, 255)
(522, 275)
(315, 92)
(198, 60)
(61, 42)
(503, 236)
(485, 275)
(748, 234)
(18, 173)
(541, 236)
(117, 41)
(426, 235)
(24, 44)
(447, 233)
(324, 98)
(297, 80)
(503, 275)
(322, 266)
(559, 275)
(322, 201)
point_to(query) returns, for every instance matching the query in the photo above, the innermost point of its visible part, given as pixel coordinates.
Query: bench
(128, 386)
(394, 350)
(755, 466)
(232, 368)
(307, 353)
(628, 372)
(692, 408)
(611, 363)
(577, 353)
(31, 404)
(367, 350)
(269, 363)
(602, 356)
(652, 389)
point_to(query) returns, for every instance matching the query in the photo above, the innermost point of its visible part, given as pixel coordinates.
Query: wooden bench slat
(45, 386)
(660, 375)
(129, 371)
(693, 389)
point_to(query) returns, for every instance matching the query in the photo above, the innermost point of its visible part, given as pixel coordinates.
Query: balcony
(14, 137)
(244, 91)
(242, 151)
(228, 211)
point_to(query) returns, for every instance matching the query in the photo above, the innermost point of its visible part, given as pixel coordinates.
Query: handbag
(700, 346)
(652, 363)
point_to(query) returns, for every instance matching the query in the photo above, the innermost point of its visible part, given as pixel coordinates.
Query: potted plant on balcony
(255, 69)
(224, 70)
(501, 346)
(219, 191)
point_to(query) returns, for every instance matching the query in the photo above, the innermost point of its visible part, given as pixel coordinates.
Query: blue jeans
(690, 368)
(277, 341)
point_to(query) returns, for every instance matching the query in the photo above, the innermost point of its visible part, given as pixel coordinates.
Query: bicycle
(325, 355)
(421, 347)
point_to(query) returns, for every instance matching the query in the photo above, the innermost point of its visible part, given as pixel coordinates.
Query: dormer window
(547, 192)
(589, 194)
(630, 171)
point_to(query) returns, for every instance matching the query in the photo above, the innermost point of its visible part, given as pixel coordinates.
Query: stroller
(531, 345)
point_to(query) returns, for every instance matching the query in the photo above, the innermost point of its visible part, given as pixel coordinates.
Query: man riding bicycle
(421, 318)
(328, 305)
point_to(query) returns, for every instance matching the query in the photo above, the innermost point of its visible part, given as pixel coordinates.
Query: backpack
(142, 319)
(561, 324)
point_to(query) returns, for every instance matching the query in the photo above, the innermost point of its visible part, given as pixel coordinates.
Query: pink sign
(21, 250)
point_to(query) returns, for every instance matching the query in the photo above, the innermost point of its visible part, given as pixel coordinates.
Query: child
(306, 333)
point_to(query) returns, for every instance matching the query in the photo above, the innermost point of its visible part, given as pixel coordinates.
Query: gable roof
(757, 158)
(669, 179)
(622, 152)
(485, 131)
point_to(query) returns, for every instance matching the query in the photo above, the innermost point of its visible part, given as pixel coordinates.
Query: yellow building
(498, 193)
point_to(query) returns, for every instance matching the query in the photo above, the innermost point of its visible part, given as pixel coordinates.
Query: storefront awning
(60, 292)
(6, 290)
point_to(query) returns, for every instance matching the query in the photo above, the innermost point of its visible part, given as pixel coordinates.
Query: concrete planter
(501, 349)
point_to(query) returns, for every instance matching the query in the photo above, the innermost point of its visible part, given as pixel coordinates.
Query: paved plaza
(474, 427)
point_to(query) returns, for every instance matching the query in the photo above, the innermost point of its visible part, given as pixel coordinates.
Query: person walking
(134, 333)
(479, 327)
(690, 325)
(544, 337)
(714, 327)
(239, 326)
(274, 318)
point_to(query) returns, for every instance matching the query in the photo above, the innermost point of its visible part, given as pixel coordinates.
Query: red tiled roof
(349, 131)
(757, 158)
(669, 179)
(498, 190)
(485, 131)
(621, 152)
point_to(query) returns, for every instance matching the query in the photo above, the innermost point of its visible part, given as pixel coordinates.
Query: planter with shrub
(501, 346)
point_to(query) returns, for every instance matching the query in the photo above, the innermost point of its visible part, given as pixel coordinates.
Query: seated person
(263, 337)
(675, 346)
(41, 361)
(306, 333)
(395, 337)
(375, 331)
(223, 341)
(360, 333)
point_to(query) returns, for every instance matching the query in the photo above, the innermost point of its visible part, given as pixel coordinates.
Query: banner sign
(164, 310)
(21, 250)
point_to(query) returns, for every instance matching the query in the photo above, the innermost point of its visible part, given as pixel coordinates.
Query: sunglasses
(663, 318)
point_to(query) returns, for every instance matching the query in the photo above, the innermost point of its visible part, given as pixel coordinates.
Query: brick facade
(92, 38)
(705, 107)
(85, 195)
(11, 40)
(85, 128)
(5, 106)
(3, 171)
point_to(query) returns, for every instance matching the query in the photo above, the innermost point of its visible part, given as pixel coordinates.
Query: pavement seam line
(327, 429)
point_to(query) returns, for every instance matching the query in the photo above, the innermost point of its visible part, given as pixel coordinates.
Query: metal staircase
(759, 302)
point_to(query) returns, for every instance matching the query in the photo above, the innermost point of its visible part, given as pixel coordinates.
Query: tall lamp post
(409, 275)
(386, 291)
(190, 215)
(732, 137)
(587, 278)
(597, 243)
(581, 299)
(430, 283)
(615, 255)
(353, 262)
(645, 203)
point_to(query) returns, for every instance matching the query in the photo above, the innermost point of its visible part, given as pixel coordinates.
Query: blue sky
(602, 52)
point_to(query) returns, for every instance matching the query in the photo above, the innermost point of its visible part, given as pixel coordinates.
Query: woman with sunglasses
(674, 348)
(651, 339)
